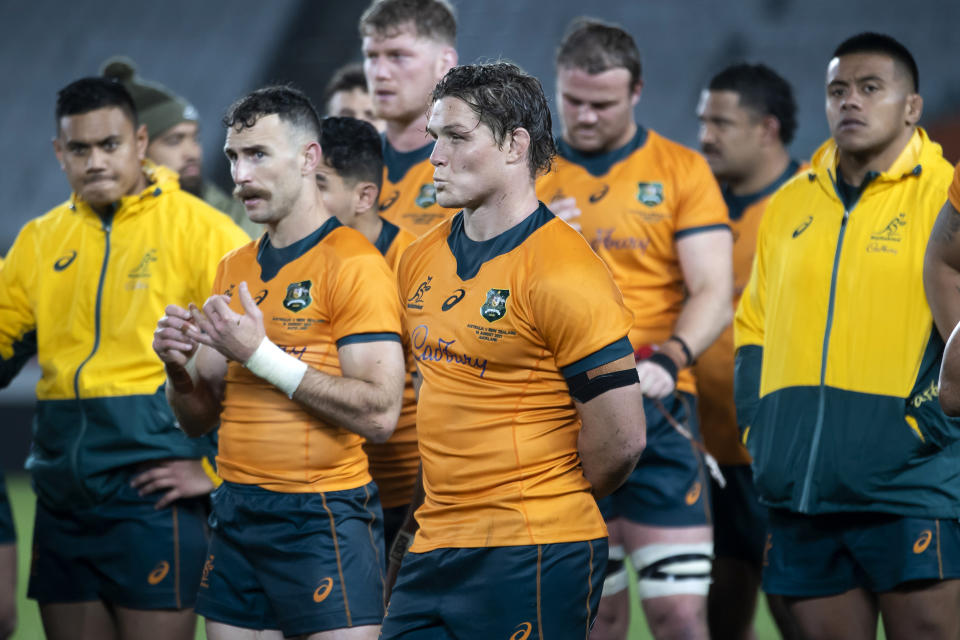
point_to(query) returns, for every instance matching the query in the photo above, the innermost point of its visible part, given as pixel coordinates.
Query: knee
(676, 616)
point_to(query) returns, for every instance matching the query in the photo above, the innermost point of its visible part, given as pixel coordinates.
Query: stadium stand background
(212, 52)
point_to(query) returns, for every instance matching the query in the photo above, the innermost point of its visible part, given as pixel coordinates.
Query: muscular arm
(941, 270)
(706, 260)
(367, 398)
(613, 433)
(950, 376)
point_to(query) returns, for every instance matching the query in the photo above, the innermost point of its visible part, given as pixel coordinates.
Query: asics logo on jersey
(416, 300)
(923, 541)
(388, 202)
(260, 297)
(159, 572)
(597, 196)
(802, 226)
(522, 632)
(453, 300)
(496, 305)
(323, 590)
(891, 232)
(298, 296)
(64, 261)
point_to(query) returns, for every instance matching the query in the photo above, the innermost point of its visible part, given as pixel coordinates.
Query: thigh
(851, 615)
(922, 609)
(669, 486)
(414, 610)
(739, 520)
(138, 624)
(221, 631)
(78, 621)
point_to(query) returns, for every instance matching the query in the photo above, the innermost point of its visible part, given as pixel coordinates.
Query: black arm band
(683, 345)
(584, 389)
(666, 362)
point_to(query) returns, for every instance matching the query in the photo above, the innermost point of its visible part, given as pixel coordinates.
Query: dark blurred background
(212, 52)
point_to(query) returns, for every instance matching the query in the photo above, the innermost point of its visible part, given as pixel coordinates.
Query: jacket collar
(919, 150)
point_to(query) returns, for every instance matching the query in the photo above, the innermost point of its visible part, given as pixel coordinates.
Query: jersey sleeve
(364, 301)
(700, 205)
(18, 336)
(954, 192)
(579, 311)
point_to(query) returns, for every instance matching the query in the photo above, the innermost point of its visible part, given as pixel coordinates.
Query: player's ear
(635, 92)
(310, 158)
(771, 129)
(58, 150)
(519, 145)
(142, 140)
(914, 108)
(365, 195)
(446, 61)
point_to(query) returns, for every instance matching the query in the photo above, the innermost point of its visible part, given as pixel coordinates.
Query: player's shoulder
(243, 254)
(420, 248)
(555, 238)
(671, 152)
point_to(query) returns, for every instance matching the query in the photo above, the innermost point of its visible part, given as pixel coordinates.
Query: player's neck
(305, 216)
(409, 135)
(768, 170)
(369, 223)
(501, 211)
(855, 166)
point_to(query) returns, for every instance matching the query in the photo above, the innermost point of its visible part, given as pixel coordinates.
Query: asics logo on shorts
(323, 590)
(923, 541)
(522, 632)
(693, 494)
(159, 572)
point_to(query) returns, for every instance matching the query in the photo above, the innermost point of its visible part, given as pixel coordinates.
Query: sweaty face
(596, 110)
(101, 154)
(265, 163)
(870, 102)
(401, 70)
(730, 135)
(338, 196)
(468, 164)
(179, 148)
(355, 103)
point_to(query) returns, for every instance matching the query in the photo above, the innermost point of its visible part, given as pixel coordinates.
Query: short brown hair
(432, 19)
(504, 98)
(596, 46)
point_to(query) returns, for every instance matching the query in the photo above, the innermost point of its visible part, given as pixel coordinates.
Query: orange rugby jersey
(408, 198)
(327, 290)
(714, 367)
(954, 191)
(495, 328)
(394, 463)
(636, 202)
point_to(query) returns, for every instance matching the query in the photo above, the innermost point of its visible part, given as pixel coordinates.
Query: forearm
(197, 411)
(704, 317)
(366, 408)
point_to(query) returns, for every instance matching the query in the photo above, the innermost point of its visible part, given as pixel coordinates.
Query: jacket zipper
(75, 452)
(822, 396)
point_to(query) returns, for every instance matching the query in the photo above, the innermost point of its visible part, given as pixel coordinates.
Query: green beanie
(157, 107)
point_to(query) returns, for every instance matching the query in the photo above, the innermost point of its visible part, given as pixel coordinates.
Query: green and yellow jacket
(85, 294)
(837, 354)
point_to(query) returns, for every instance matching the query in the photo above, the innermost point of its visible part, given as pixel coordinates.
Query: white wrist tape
(276, 367)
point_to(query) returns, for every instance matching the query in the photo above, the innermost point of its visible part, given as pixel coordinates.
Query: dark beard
(192, 184)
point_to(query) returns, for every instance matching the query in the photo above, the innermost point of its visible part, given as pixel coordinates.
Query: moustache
(709, 148)
(244, 193)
